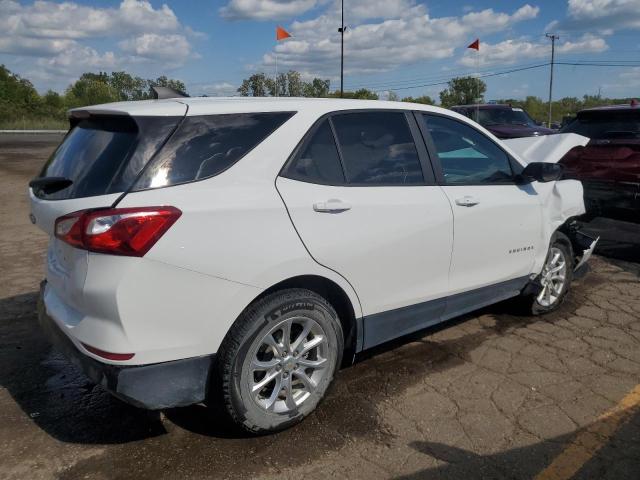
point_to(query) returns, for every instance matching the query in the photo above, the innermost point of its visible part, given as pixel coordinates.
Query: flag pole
(477, 85)
(276, 77)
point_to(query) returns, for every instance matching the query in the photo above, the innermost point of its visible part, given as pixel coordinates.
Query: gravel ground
(490, 395)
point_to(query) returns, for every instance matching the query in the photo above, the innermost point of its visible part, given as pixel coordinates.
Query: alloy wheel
(553, 277)
(287, 364)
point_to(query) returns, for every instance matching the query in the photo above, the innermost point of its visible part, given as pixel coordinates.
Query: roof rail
(160, 93)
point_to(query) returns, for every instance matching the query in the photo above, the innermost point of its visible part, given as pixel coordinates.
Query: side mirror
(542, 172)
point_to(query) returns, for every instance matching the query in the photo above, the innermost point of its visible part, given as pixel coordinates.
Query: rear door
(497, 222)
(361, 195)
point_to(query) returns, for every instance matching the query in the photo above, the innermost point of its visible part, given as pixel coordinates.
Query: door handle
(332, 205)
(467, 201)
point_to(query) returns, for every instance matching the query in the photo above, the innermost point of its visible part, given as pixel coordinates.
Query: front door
(497, 222)
(361, 196)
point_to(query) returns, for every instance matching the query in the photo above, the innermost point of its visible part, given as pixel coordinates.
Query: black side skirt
(385, 326)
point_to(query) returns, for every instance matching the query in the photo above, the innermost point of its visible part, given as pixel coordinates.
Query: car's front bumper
(154, 386)
(583, 247)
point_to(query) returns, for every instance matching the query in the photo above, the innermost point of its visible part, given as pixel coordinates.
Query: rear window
(204, 146)
(606, 124)
(104, 154)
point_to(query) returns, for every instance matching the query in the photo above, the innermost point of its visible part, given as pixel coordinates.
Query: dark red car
(503, 120)
(609, 165)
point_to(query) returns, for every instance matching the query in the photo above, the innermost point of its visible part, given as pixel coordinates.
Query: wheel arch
(338, 298)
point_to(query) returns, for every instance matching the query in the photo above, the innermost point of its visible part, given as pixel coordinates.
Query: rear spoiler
(546, 148)
(160, 93)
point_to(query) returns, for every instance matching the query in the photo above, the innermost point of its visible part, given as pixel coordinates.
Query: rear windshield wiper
(49, 185)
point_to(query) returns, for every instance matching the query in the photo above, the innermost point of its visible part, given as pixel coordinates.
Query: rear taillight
(117, 231)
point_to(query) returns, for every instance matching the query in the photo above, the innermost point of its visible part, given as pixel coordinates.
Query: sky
(406, 46)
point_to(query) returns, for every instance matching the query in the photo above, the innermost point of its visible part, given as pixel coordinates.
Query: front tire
(278, 360)
(554, 281)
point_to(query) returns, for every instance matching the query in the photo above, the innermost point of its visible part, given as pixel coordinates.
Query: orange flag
(281, 33)
(475, 45)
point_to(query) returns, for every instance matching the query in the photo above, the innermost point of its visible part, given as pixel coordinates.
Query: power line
(431, 78)
(494, 74)
(583, 64)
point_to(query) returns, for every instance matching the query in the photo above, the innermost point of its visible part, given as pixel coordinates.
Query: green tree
(90, 90)
(425, 99)
(463, 91)
(163, 81)
(17, 95)
(362, 94)
(288, 84)
(129, 87)
(392, 96)
(254, 86)
(316, 88)
(53, 100)
(295, 85)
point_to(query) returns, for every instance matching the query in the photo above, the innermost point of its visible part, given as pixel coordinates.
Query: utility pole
(553, 38)
(341, 30)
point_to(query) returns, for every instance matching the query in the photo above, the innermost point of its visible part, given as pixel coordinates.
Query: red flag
(475, 45)
(281, 33)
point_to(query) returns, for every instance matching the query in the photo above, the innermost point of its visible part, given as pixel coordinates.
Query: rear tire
(554, 281)
(278, 360)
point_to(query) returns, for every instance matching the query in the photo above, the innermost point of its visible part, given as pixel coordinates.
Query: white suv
(243, 249)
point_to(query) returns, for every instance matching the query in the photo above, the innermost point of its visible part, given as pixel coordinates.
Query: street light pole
(553, 38)
(341, 30)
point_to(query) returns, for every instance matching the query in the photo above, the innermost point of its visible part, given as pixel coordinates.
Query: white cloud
(410, 37)
(56, 35)
(35, 46)
(44, 19)
(625, 82)
(602, 16)
(265, 9)
(172, 47)
(77, 59)
(216, 89)
(512, 51)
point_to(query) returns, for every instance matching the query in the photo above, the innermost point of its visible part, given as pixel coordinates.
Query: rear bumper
(154, 386)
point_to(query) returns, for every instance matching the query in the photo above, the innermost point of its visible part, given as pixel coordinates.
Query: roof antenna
(160, 93)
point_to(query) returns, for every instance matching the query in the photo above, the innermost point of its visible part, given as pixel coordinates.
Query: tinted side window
(204, 146)
(377, 148)
(318, 161)
(467, 156)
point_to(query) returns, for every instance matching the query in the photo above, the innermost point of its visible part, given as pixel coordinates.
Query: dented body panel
(561, 200)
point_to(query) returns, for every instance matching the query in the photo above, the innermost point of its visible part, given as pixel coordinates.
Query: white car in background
(243, 249)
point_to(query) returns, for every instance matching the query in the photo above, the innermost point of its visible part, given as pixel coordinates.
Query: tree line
(21, 106)
(290, 84)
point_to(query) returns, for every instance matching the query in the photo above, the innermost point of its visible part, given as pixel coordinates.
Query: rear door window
(318, 160)
(104, 154)
(378, 149)
(204, 146)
